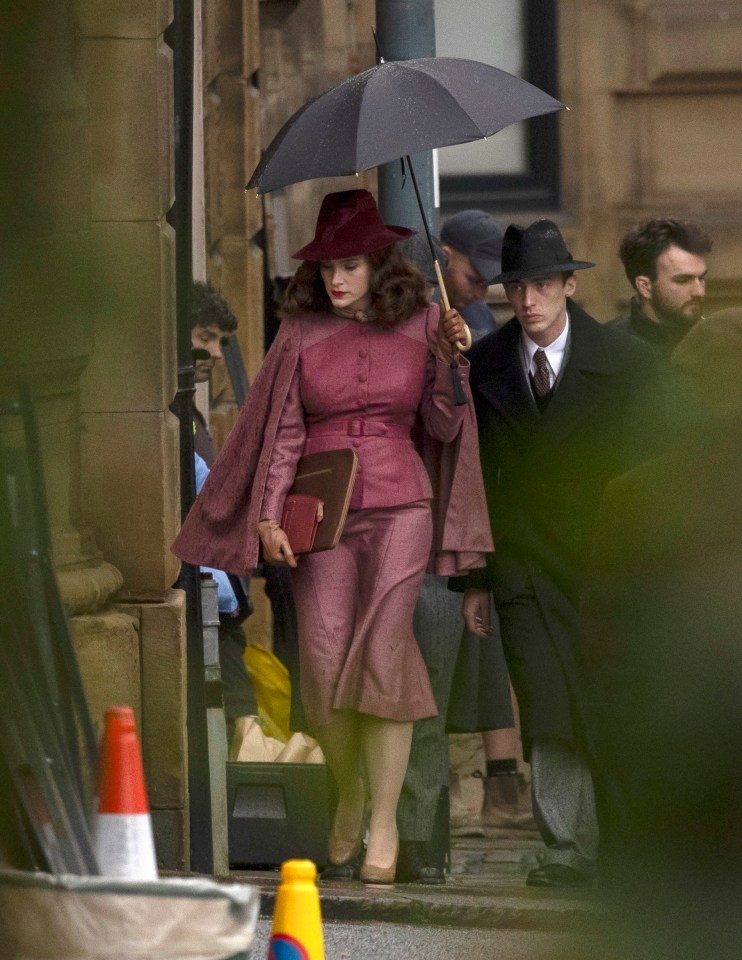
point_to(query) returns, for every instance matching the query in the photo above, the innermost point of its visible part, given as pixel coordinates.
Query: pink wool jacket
(327, 383)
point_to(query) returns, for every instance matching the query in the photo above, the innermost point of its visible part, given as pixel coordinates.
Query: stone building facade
(654, 94)
(89, 319)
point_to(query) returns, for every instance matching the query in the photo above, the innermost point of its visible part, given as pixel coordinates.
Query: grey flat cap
(478, 236)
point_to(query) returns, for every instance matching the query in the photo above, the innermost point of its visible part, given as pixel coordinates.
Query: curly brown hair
(397, 289)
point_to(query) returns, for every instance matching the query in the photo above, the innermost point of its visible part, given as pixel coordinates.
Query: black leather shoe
(556, 875)
(413, 865)
(342, 871)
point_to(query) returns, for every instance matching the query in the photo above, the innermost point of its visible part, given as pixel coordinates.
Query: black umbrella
(397, 108)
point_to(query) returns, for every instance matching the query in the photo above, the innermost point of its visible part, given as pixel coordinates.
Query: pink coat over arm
(252, 474)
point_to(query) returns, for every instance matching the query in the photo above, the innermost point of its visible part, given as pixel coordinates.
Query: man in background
(472, 242)
(212, 322)
(665, 263)
(559, 409)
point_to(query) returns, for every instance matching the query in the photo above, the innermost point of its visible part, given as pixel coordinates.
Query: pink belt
(358, 428)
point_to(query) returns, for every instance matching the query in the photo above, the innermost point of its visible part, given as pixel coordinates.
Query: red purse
(302, 515)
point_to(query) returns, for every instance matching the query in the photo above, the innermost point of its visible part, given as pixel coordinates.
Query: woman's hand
(276, 547)
(476, 612)
(452, 331)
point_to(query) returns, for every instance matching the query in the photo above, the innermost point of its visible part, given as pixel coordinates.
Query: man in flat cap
(558, 401)
(472, 242)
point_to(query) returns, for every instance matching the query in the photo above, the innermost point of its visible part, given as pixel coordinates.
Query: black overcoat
(544, 475)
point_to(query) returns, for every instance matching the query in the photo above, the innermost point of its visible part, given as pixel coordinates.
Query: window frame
(539, 186)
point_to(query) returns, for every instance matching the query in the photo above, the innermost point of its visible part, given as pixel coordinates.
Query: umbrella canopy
(396, 108)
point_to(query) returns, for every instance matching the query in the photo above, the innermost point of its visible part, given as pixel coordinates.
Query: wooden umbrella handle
(464, 344)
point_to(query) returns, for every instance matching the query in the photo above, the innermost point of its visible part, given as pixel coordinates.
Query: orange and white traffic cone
(297, 923)
(124, 844)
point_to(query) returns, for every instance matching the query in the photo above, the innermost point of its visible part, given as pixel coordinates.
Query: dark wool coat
(544, 475)
(661, 616)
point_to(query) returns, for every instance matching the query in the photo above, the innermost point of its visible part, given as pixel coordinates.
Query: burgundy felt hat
(349, 224)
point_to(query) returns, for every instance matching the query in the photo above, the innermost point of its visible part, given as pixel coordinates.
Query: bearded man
(665, 263)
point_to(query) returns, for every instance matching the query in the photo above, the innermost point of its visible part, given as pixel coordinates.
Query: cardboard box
(277, 812)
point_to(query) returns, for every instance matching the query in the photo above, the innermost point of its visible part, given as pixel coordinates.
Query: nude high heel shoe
(340, 850)
(380, 876)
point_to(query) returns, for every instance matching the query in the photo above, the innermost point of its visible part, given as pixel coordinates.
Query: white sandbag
(99, 918)
(250, 744)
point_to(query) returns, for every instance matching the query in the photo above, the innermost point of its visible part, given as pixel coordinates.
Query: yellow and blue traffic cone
(297, 922)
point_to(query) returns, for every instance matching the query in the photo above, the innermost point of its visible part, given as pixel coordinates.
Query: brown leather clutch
(327, 476)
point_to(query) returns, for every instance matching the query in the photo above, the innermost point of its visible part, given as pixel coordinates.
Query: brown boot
(507, 803)
(466, 806)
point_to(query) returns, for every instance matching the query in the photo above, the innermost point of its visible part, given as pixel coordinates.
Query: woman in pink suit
(360, 360)
(375, 358)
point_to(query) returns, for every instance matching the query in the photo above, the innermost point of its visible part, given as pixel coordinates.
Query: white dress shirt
(555, 353)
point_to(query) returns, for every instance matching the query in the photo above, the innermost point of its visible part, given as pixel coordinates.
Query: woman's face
(347, 282)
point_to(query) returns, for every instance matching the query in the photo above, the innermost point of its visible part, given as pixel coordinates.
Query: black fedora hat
(535, 251)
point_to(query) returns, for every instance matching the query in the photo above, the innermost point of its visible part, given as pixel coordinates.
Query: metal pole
(405, 29)
(199, 802)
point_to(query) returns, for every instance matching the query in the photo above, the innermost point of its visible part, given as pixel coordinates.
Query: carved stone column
(88, 323)
(49, 278)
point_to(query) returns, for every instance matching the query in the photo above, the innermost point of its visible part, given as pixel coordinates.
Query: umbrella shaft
(439, 275)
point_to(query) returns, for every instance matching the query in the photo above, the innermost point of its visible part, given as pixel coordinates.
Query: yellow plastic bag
(270, 679)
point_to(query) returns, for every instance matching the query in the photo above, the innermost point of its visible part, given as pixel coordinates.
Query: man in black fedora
(559, 406)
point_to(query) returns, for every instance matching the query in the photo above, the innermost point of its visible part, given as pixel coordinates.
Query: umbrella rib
(418, 102)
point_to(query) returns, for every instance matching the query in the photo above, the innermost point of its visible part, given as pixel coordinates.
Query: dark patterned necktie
(541, 381)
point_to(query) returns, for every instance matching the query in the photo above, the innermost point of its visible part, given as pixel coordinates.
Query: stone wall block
(212, 163)
(251, 154)
(88, 588)
(223, 52)
(230, 154)
(164, 742)
(692, 40)
(271, 77)
(165, 127)
(251, 37)
(135, 18)
(336, 30)
(48, 284)
(128, 84)
(701, 125)
(135, 330)
(241, 281)
(652, 88)
(130, 496)
(61, 185)
(107, 649)
(170, 829)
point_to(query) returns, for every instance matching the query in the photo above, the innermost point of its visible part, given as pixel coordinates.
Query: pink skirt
(354, 608)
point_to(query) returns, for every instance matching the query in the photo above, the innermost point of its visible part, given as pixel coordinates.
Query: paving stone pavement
(501, 857)
(485, 889)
